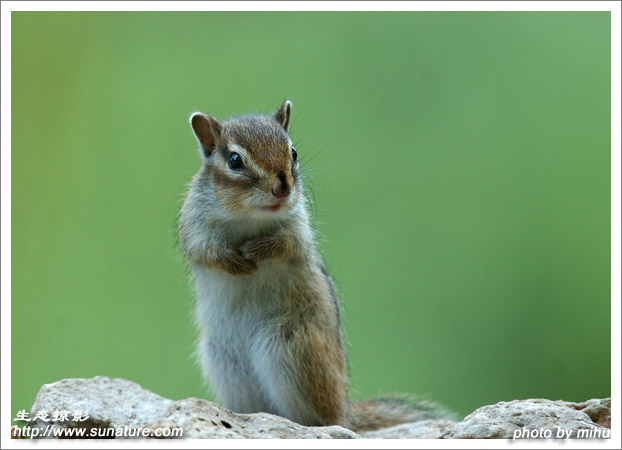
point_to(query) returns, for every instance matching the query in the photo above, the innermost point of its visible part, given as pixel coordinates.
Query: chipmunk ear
(283, 114)
(207, 131)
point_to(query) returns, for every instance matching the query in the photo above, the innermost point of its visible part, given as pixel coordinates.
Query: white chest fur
(239, 346)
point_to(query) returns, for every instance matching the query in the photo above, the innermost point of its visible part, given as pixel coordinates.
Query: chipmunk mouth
(277, 204)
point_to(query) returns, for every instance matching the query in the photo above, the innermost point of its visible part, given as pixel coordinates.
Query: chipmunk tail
(388, 411)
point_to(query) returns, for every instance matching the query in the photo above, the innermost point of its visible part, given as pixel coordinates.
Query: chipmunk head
(251, 161)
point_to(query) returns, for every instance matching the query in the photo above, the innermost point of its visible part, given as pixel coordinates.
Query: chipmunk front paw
(236, 264)
(259, 249)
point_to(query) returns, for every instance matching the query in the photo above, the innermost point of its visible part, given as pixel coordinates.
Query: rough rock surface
(534, 418)
(425, 429)
(115, 404)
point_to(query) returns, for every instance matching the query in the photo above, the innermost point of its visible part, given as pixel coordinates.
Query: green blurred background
(460, 164)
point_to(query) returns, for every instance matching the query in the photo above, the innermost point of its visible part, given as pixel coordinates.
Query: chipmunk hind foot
(387, 411)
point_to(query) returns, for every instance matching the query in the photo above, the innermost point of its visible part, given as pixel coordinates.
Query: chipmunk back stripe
(333, 294)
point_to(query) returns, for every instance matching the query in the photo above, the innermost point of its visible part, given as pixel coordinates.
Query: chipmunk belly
(241, 346)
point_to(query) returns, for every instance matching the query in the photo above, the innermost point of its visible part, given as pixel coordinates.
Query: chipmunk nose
(283, 189)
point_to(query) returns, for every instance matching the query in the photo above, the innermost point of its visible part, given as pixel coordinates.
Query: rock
(110, 403)
(534, 418)
(118, 408)
(114, 405)
(425, 429)
(203, 419)
(599, 410)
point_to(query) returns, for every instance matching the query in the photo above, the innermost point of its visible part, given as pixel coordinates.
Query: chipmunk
(268, 317)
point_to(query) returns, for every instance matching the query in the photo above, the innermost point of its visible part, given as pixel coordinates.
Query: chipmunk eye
(294, 154)
(235, 162)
